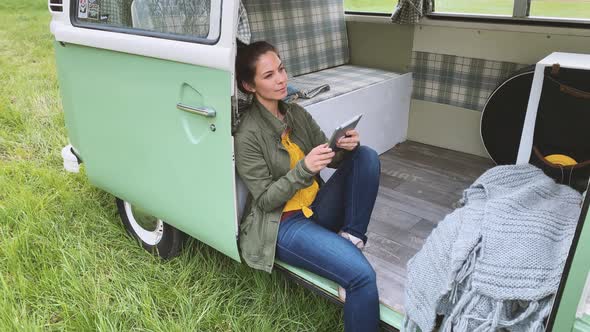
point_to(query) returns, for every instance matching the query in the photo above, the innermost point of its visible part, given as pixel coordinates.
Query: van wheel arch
(159, 238)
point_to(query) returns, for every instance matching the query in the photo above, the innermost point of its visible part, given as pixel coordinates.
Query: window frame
(76, 22)
(520, 16)
(499, 19)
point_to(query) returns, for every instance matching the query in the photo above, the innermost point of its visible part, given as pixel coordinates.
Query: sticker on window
(93, 9)
(82, 8)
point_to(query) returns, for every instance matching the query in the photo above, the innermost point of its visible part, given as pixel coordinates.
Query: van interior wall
(379, 43)
(381, 46)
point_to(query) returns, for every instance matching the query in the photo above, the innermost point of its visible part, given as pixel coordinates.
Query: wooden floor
(420, 184)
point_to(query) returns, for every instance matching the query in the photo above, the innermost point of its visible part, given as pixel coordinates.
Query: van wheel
(154, 235)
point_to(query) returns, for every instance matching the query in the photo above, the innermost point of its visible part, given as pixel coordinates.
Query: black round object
(503, 116)
(561, 125)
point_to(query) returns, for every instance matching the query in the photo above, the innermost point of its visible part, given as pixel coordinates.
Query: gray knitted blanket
(496, 262)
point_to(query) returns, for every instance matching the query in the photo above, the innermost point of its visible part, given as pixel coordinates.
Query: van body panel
(387, 314)
(582, 324)
(121, 115)
(565, 320)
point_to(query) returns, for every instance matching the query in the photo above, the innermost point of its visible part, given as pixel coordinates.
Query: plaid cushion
(459, 81)
(309, 34)
(244, 35)
(342, 79)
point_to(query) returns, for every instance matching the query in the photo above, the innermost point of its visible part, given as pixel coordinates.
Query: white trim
(220, 55)
(528, 128)
(480, 25)
(191, 53)
(215, 16)
(151, 238)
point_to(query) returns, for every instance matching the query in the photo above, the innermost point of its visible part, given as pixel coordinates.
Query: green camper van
(151, 105)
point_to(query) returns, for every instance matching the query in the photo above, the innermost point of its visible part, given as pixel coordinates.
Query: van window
(547, 10)
(498, 7)
(197, 20)
(561, 9)
(541, 8)
(373, 6)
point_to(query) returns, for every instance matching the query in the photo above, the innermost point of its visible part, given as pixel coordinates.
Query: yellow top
(303, 197)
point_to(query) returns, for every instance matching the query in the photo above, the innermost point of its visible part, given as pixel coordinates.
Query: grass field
(66, 263)
(552, 8)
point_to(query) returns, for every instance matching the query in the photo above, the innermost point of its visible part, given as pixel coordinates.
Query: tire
(155, 236)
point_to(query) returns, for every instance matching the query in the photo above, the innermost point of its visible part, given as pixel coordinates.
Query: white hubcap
(151, 236)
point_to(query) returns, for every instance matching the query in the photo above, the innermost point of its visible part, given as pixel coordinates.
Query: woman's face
(270, 81)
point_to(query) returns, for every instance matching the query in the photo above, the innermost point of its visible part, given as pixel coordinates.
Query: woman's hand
(318, 158)
(350, 141)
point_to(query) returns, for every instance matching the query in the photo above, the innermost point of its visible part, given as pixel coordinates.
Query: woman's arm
(255, 173)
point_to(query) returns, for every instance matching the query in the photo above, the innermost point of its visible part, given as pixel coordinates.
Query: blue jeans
(344, 203)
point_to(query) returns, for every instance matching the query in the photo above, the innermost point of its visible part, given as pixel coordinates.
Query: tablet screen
(342, 129)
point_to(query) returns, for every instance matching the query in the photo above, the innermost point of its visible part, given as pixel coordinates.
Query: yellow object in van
(561, 159)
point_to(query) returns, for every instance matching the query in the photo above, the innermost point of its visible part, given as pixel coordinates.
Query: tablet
(342, 129)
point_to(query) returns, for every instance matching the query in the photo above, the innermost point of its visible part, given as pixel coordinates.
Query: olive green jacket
(263, 164)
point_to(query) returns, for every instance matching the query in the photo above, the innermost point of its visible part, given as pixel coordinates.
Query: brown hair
(246, 62)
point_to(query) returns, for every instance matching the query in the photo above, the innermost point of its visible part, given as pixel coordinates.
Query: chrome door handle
(204, 111)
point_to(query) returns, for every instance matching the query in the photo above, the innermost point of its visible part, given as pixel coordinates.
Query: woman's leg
(346, 201)
(305, 244)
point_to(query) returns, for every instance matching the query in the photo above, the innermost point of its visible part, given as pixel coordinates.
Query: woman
(280, 150)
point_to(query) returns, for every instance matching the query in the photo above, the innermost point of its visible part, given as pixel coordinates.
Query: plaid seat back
(310, 35)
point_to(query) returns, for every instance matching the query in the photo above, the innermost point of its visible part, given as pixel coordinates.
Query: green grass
(65, 260)
(552, 8)
(66, 263)
(564, 8)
